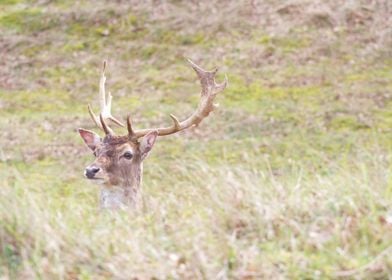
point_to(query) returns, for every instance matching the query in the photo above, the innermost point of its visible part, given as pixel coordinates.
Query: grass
(289, 178)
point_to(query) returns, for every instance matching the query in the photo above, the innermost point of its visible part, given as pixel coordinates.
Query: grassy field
(290, 178)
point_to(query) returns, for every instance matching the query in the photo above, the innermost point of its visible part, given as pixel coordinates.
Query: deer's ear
(90, 138)
(147, 143)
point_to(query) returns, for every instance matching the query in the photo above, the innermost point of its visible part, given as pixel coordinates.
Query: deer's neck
(129, 194)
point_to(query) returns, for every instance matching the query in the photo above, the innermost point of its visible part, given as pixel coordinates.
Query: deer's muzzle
(91, 171)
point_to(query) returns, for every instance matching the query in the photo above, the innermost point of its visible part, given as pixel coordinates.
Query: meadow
(289, 178)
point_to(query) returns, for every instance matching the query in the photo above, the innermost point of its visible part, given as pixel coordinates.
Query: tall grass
(203, 222)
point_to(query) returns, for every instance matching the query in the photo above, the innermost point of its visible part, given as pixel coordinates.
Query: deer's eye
(128, 155)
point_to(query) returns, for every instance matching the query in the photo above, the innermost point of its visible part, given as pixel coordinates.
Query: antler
(209, 90)
(105, 106)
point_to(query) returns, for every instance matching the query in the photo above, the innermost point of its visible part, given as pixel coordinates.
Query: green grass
(289, 178)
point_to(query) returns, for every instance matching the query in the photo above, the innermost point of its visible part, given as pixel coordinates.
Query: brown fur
(118, 170)
(121, 177)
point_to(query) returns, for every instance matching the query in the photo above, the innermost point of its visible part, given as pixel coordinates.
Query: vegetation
(290, 177)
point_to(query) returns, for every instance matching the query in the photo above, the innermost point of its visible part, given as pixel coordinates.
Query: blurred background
(288, 178)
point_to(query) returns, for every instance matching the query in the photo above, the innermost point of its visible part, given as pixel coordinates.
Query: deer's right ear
(147, 143)
(90, 138)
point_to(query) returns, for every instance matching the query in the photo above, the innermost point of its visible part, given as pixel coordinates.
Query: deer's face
(117, 158)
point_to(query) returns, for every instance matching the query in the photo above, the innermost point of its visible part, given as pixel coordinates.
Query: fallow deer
(118, 164)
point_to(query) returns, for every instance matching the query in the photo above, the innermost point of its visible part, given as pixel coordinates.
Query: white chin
(98, 181)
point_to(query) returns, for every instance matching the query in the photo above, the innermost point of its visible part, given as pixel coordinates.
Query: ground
(289, 178)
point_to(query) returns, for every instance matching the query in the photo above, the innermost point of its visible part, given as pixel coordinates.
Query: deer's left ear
(147, 143)
(90, 138)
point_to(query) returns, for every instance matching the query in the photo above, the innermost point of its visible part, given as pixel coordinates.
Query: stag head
(118, 159)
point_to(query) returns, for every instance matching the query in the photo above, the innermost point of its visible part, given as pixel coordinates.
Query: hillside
(289, 178)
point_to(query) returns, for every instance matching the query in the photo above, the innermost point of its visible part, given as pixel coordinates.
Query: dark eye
(128, 155)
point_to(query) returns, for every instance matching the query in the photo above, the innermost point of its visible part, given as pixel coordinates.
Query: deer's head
(118, 159)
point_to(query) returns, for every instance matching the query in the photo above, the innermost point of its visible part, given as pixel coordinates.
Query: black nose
(91, 171)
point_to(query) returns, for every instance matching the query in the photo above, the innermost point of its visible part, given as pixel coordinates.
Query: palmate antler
(209, 90)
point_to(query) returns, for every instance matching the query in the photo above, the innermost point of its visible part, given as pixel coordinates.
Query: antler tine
(93, 116)
(209, 90)
(131, 133)
(105, 104)
(105, 127)
(177, 125)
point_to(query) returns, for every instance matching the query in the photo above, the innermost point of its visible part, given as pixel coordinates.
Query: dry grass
(222, 223)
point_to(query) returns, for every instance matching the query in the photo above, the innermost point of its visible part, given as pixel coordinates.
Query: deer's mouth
(96, 179)
(99, 181)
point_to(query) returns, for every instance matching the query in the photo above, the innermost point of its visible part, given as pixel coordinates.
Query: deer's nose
(91, 171)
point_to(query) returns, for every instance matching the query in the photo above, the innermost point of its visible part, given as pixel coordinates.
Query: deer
(118, 164)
